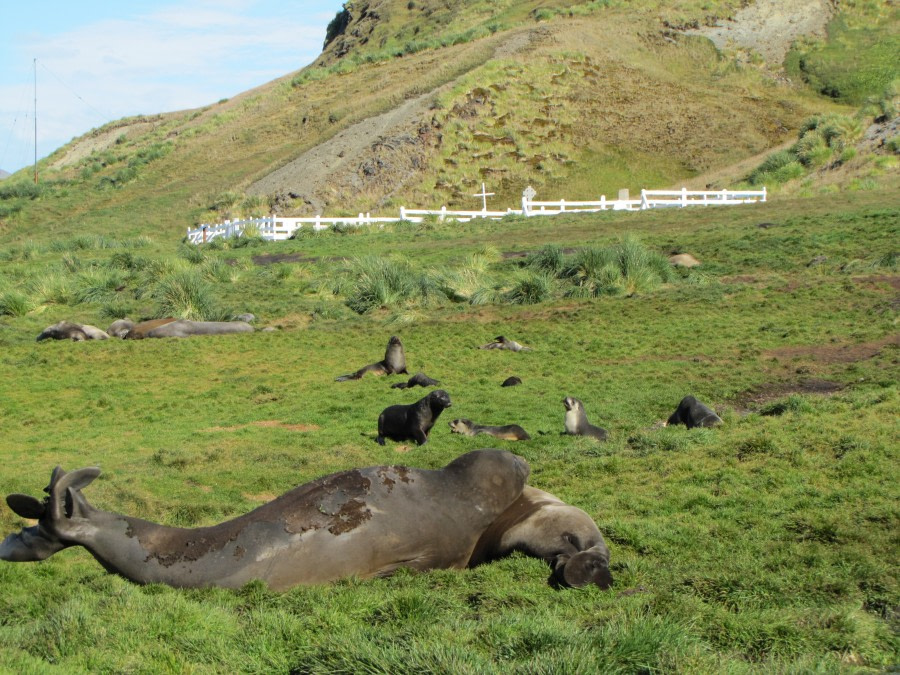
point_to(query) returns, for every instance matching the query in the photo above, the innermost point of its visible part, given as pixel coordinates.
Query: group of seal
(361, 522)
(153, 328)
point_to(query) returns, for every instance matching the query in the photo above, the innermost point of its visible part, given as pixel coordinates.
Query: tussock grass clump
(624, 269)
(187, 295)
(822, 139)
(52, 288)
(98, 284)
(387, 283)
(14, 303)
(531, 288)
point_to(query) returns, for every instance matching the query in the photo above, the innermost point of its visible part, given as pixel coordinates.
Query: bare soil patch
(268, 424)
(834, 353)
(769, 27)
(775, 390)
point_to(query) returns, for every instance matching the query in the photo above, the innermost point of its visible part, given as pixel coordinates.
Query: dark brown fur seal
(361, 522)
(412, 422)
(417, 380)
(511, 381)
(501, 342)
(577, 422)
(66, 330)
(394, 363)
(692, 413)
(509, 432)
(541, 525)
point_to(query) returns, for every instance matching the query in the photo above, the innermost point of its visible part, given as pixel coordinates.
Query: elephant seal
(183, 328)
(577, 422)
(361, 522)
(120, 327)
(501, 342)
(412, 422)
(394, 363)
(511, 381)
(541, 525)
(692, 413)
(417, 380)
(509, 432)
(77, 332)
(140, 330)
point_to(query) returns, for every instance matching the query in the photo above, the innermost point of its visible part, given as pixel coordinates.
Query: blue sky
(100, 60)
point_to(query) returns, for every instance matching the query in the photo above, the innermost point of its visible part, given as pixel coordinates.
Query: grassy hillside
(765, 544)
(525, 95)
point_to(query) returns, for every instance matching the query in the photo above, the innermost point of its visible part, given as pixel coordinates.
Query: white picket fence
(278, 228)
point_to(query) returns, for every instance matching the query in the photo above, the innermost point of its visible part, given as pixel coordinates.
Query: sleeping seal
(512, 381)
(66, 330)
(412, 422)
(509, 432)
(692, 413)
(501, 342)
(417, 380)
(365, 522)
(541, 525)
(394, 362)
(577, 422)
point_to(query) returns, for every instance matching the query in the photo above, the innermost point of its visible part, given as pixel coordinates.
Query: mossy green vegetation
(764, 545)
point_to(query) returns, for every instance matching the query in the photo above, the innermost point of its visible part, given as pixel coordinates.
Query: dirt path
(769, 27)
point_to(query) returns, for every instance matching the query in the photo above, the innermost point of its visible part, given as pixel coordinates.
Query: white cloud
(176, 57)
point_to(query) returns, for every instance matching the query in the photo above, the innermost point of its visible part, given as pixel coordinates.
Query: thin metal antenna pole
(35, 123)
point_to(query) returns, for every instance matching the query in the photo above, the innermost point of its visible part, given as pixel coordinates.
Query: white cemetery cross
(528, 194)
(484, 194)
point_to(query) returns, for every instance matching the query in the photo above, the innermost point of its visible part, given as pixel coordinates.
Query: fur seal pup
(577, 422)
(417, 380)
(394, 363)
(366, 522)
(541, 525)
(412, 422)
(509, 432)
(501, 342)
(66, 330)
(692, 413)
(511, 381)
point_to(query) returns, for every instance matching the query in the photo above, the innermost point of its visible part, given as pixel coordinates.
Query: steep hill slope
(417, 103)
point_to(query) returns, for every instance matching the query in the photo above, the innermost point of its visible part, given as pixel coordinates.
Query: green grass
(763, 545)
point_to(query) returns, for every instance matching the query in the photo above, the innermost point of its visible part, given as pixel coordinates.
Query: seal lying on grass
(184, 328)
(692, 413)
(541, 525)
(393, 363)
(66, 330)
(417, 380)
(362, 522)
(508, 432)
(501, 342)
